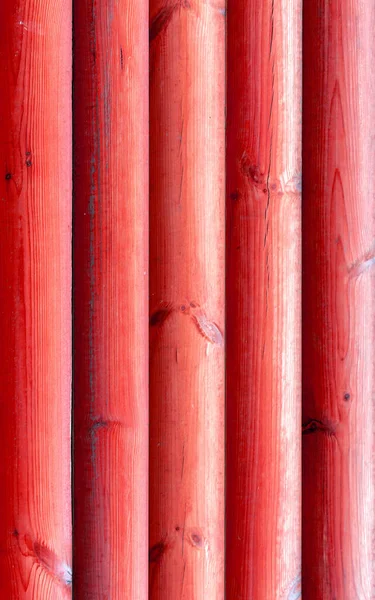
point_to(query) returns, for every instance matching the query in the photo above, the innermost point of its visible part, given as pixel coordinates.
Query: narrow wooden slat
(111, 299)
(339, 301)
(35, 299)
(187, 63)
(263, 299)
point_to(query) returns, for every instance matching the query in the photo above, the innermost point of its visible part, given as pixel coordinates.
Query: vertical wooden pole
(339, 301)
(187, 299)
(111, 299)
(263, 299)
(35, 299)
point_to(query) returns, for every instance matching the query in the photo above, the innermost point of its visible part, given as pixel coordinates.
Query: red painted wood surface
(111, 299)
(263, 299)
(35, 299)
(187, 176)
(339, 302)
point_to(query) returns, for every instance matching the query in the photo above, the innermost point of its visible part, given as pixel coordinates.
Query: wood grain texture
(339, 301)
(263, 292)
(35, 299)
(187, 144)
(111, 299)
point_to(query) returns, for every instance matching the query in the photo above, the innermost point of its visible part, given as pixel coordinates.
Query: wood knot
(196, 539)
(156, 552)
(253, 172)
(235, 196)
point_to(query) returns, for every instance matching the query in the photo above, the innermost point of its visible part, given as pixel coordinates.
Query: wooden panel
(35, 299)
(110, 299)
(263, 299)
(338, 306)
(187, 300)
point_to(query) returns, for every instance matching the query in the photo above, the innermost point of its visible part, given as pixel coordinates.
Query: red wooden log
(339, 301)
(187, 143)
(263, 299)
(111, 299)
(35, 299)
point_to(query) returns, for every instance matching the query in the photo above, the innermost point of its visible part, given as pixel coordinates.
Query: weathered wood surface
(263, 298)
(339, 302)
(35, 299)
(187, 191)
(111, 299)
